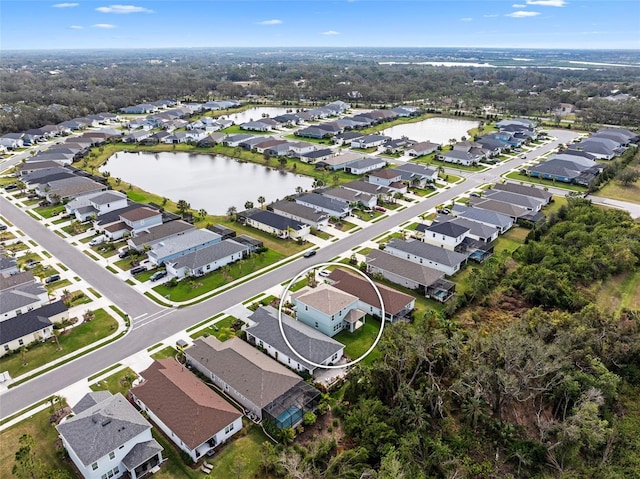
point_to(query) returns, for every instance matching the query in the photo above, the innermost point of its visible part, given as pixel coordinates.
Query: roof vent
(106, 421)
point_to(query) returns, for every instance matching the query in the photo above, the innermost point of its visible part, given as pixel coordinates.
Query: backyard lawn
(617, 191)
(40, 354)
(119, 382)
(357, 343)
(516, 175)
(193, 287)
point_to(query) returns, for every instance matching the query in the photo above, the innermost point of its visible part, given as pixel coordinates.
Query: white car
(98, 240)
(324, 273)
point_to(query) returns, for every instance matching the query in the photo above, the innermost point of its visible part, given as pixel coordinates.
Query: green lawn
(298, 285)
(220, 329)
(190, 288)
(322, 234)
(40, 354)
(357, 343)
(293, 137)
(235, 130)
(116, 383)
(511, 240)
(49, 211)
(76, 229)
(364, 216)
(616, 191)
(516, 175)
(45, 436)
(618, 292)
(164, 353)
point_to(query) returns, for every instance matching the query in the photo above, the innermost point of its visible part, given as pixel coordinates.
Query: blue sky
(36, 24)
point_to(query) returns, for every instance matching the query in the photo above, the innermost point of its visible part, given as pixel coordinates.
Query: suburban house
(370, 188)
(266, 389)
(301, 213)
(61, 190)
(139, 109)
(299, 148)
(447, 235)
(151, 236)
(366, 165)
(332, 207)
(314, 156)
(600, 147)
(314, 131)
(98, 204)
(514, 211)
(477, 231)
(622, 136)
(38, 177)
(277, 225)
(352, 197)
(141, 218)
(449, 262)
(181, 244)
(8, 266)
(12, 141)
(107, 438)
(416, 175)
(422, 148)
(340, 161)
(20, 293)
(521, 123)
(347, 137)
(528, 202)
(567, 171)
(497, 220)
(385, 177)
(369, 141)
(328, 309)
(460, 157)
(207, 259)
(427, 281)
(137, 136)
(29, 327)
(397, 305)
(235, 140)
(525, 190)
(188, 411)
(259, 125)
(27, 168)
(272, 145)
(307, 341)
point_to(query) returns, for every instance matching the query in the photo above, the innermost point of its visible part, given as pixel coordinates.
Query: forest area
(531, 379)
(47, 88)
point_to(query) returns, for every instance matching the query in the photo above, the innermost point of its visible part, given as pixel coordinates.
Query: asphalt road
(158, 323)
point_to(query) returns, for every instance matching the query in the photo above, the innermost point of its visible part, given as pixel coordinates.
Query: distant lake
(435, 130)
(211, 182)
(254, 114)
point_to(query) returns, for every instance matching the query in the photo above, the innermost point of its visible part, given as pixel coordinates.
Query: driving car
(309, 254)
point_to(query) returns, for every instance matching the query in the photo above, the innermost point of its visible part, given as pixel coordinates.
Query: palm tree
(261, 200)
(202, 212)
(231, 212)
(299, 190)
(248, 205)
(183, 206)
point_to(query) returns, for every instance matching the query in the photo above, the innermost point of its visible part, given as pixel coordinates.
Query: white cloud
(275, 21)
(103, 25)
(466, 19)
(76, 27)
(547, 3)
(522, 14)
(123, 9)
(331, 32)
(518, 5)
(65, 5)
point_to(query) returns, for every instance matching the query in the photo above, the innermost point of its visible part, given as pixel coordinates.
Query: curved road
(160, 323)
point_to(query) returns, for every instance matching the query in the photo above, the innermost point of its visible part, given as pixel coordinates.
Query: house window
(6, 347)
(18, 311)
(121, 447)
(110, 473)
(434, 235)
(228, 429)
(20, 342)
(104, 476)
(316, 324)
(261, 344)
(94, 466)
(116, 470)
(208, 267)
(112, 455)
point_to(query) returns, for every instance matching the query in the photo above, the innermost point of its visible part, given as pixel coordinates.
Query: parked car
(124, 253)
(158, 275)
(10, 187)
(138, 269)
(32, 264)
(98, 240)
(324, 273)
(380, 208)
(3, 227)
(309, 254)
(475, 195)
(52, 278)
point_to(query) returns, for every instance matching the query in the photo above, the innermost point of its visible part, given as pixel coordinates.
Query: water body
(436, 130)
(211, 182)
(254, 114)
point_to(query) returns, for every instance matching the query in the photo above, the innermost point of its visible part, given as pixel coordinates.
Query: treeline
(552, 392)
(35, 91)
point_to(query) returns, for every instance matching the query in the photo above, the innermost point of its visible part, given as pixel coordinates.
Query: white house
(32, 326)
(446, 235)
(277, 225)
(449, 262)
(107, 438)
(308, 342)
(366, 165)
(423, 148)
(301, 213)
(207, 259)
(190, 413)
(141, 218)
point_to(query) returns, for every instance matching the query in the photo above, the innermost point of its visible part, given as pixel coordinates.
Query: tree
(261, 200)
(118, 181)
(627, 176)
(26, 464)
(202, 212)
(299, 190)
(283, 161)
(183, 206)
(248, 205)
(231, 212)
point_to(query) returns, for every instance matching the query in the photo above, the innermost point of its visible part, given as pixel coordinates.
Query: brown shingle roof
(394, 301)
(386, 174)
(192, 410)
(139, 214)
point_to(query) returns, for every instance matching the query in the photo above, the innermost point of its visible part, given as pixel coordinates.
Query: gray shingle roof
(209, 254)
(482, 216)
(277, 221)
(480, 230)
(102, 428)
(157, 233)
(367, 162)
(307, 341)
(90, 400)
(250, 372)
(348, 195)
(499, 207)
(20, 295)
(302, 211)
(514, 198)
(428, 251)
(407, 269)
(183, 241)
(141, 452)
(367, 187)
(107, 197)
(523, 190)
(452, 230)
(29, 322)
(320, 201)
(416, 169)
